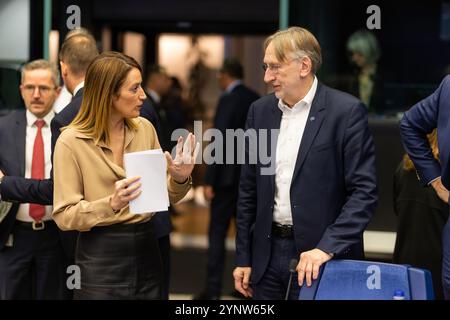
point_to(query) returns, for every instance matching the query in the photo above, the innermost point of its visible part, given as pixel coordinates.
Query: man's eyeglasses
(29, 89)
(274, 67)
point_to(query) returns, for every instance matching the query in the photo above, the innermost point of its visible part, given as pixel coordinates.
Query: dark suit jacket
(12, 161)
(430, 113)
(148, 112)
(231, 113)
(161, 220)
(65, 117)
(166, 124)
(333, 191)
(20, 189)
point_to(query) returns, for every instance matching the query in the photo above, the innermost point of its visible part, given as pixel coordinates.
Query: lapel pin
(312, 118)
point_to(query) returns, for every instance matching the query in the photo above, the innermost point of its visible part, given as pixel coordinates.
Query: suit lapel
(79, 93)
(149, 97)
(313, 124)
(20, 140)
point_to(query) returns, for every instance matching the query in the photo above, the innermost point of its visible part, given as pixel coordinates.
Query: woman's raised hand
(181, 167)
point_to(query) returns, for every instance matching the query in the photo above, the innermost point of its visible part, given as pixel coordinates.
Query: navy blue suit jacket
(231, 113)
(65, 117)
(333, 191)
(12, 160)
(148, 112)
(430, 113)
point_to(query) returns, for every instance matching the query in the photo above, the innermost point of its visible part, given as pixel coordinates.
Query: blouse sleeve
(70, 210)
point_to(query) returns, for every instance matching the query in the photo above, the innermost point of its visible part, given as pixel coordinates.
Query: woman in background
(364, 52)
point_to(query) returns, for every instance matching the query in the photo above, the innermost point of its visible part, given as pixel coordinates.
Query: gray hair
(298, 42)
(365, 43)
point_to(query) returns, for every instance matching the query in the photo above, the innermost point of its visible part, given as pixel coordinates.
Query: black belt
(282, 230)
(36, 225)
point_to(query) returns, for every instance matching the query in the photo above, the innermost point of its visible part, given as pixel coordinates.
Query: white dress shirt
(65, 97)
(155, 96)
(62, 100)
(292, 126)
(24, 208)
(233, 85)
(77, 88)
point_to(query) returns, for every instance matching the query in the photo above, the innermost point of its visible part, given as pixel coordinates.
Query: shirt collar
(31, 118)
(155, 96)
(129, 135)
(233, 85)
(308, 99)
(78, 87)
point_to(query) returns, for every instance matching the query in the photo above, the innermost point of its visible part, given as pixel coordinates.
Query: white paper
(151, 166)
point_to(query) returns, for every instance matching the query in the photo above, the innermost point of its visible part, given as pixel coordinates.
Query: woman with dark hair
(117, 251)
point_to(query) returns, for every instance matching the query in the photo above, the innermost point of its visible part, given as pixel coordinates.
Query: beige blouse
(84, 177)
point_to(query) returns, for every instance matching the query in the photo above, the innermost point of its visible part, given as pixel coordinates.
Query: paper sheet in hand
(151, 166)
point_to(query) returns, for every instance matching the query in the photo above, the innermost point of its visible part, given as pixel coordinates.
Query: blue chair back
(367, 280)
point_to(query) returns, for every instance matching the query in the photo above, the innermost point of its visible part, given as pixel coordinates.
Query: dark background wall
(410, 35)
(193, 16)
(413, 50)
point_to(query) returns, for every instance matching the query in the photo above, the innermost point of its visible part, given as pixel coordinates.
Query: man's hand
(1, 174)
(208, 192)
(242, 280)
(441, 191)
(309, 264)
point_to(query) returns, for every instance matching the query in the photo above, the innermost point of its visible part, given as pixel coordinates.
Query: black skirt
(119, 262)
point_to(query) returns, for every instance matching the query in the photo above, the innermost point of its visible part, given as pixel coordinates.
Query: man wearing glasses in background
(316, 202)
(31, 254)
